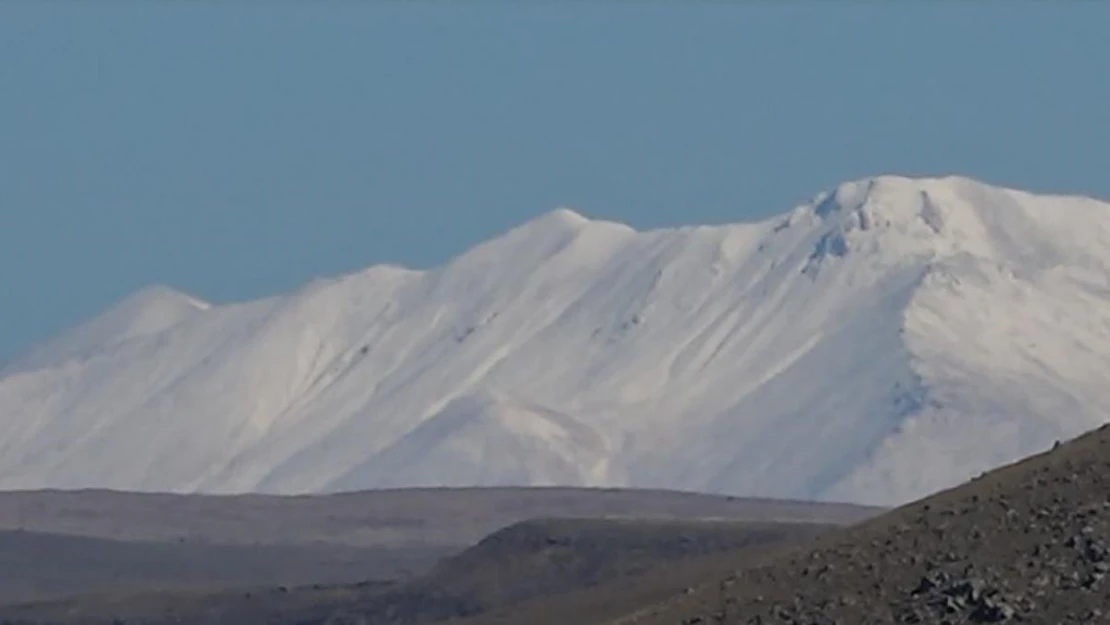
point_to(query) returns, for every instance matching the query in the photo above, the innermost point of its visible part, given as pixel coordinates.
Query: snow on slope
(889, 338)
(144, 313)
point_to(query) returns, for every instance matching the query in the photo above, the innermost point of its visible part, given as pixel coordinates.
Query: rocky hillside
(1028, 543)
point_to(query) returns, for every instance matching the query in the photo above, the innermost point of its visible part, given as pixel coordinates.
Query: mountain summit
(889, 338)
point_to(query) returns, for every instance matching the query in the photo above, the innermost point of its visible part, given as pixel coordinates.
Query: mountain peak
(158, 294)
(561, 217)
(537, 239)
(891, 189)
(836, 354)
(887, 189)
(148, 311)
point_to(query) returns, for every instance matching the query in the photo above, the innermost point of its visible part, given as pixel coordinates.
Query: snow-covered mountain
(889, 338)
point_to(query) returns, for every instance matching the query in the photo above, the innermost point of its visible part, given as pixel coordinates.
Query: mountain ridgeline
(832, 352)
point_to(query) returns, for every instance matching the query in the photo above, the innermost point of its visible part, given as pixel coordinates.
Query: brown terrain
(245, 559)
(450, 517)
(40, 566)
(527, 561)
(1027, 543)
(548, 559)
(628, 592)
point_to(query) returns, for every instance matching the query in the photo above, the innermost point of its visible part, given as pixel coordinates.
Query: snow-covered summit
(890, 337)
(149, 310)
(562, 217)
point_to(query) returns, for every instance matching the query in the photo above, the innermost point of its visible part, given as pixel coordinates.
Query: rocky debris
(969, 597)
(1029, 543)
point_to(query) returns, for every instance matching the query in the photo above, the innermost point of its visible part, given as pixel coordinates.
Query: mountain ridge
(832, 351)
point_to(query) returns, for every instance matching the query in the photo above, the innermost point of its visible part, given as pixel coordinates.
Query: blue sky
(235, 150)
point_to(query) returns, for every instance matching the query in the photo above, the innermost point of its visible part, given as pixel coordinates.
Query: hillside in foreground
(539, 559)
(1028, 543)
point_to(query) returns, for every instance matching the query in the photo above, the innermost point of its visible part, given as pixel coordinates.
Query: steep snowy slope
(891, 337)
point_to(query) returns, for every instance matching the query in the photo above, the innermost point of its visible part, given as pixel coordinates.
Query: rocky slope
(1029, 543)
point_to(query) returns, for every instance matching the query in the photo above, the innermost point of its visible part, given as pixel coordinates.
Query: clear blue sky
(235, 150)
